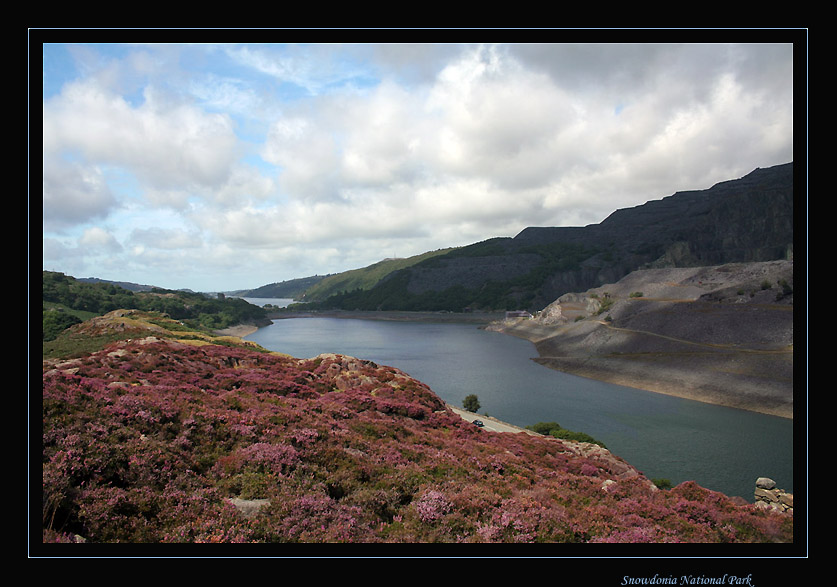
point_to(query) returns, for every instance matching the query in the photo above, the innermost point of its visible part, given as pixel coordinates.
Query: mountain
(291, 289)
(743, 220)
(123, 284)
(365, 278)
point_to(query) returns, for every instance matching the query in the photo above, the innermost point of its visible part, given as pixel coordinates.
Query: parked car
(478, 423)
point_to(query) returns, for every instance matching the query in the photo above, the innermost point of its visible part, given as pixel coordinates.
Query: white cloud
(245, 183)
(164, 238)
(165, 142)
(270, 162)
(307, 156)
(503, 122)
(74, 193)
(284, 68)
(99, 240)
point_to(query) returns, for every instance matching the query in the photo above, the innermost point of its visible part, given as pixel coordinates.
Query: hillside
(166, 436)
(744, 220)
(719, 334)
(121, 284)
(290, 289)
(362, 279)
(68, 301)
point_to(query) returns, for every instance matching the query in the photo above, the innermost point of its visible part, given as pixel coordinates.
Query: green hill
(292, 288)
(68, 301)
(364, 278)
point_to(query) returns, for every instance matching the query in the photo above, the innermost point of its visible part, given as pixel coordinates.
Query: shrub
(55, 322)
(662, 483)
(556, 430)
(606, 304)
(471, 403)
(544, 428)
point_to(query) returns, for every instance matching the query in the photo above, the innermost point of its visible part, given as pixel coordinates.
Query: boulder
(768, 496)
(765, 483)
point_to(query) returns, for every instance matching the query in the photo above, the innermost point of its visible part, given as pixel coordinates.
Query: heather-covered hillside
(164, 439)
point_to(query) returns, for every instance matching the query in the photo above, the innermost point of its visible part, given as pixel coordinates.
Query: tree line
(67, 300)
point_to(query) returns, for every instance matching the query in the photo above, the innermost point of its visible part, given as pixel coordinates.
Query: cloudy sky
(228, 166)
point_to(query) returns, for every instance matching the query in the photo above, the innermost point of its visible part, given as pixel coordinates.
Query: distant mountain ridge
(123, 284)
(364, 278)
(710, 220)
(742, 220)
(291, 289)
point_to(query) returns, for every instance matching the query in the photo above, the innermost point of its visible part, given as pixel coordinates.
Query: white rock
(765, 483)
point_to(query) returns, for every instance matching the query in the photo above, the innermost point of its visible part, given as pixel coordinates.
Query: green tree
(555, 429)
(662, 483)
(56, 322)
(545, 428)
(471, 403)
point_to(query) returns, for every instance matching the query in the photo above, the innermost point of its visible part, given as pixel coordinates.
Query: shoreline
(671, 382)
(396, 315)
(673, 388)
(239, 331)
(653, 375)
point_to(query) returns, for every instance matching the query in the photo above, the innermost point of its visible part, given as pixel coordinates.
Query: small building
(518, 314)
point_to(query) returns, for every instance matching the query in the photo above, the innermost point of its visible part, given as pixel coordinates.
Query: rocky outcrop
(249, 508)
(345, 372)
(552, 314)
(768, 496)
(720, 334)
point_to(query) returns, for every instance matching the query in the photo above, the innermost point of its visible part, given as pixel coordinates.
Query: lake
(720, 448)
(278, 302)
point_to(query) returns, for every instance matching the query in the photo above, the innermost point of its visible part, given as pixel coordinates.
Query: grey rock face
(769, 497)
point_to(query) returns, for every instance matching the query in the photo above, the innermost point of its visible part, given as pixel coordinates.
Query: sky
(220, 167)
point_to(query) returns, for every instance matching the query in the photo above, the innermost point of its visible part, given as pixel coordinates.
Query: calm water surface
(721, 448)
(278, 302)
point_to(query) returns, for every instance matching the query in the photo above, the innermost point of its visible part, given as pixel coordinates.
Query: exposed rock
(719, 334)
(617, 467)
(768, 496)
(745, 220)
(765, 483)
(552, 314)
(117, 321)
(249, 507)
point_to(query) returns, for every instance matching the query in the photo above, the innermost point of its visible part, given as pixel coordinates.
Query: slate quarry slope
(720, 334)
